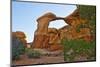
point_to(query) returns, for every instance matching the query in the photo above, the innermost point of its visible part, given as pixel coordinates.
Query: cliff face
(50, 38)
(21, 36)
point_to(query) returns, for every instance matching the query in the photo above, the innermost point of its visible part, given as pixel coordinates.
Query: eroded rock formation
(74, 20)
(41, 38)
(54, 39)
(21, 36)
(50, 38)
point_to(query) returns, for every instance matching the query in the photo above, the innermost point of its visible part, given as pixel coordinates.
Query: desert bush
(73, 48)
(15, 54)
(18, 48)
(32, 53)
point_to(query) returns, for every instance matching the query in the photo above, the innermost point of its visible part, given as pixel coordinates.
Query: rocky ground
(46, 57)
(43, 60)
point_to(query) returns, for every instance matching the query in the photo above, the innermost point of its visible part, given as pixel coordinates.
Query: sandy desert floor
(42, 60)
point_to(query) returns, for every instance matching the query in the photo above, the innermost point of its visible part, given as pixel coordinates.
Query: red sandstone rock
(21, 36)
(50, 38)
(41, 38)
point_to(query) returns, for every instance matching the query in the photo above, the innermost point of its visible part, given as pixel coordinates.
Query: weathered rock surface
(21, 36)
(41, 38)
(43, 23)
(50, 38)
(74, 20)
(44, 36)
(54, 39)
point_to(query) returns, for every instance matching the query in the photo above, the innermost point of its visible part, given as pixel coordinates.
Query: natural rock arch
(48, 38)
(43, 35)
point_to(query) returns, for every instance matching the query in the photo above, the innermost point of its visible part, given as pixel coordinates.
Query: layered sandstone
(21, 36)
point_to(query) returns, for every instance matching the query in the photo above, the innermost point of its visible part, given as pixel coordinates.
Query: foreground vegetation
(18, 48)
(78, 48)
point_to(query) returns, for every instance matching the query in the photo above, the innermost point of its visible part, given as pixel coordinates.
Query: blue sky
(24, 15)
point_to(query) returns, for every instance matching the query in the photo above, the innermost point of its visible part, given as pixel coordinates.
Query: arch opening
(57, 24)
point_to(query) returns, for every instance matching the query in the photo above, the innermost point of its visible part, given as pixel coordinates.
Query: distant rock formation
(21, 36)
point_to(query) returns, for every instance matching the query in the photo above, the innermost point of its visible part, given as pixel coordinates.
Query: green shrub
(21, 49)
(18, 48)
(89, 13)
(33, 54)
(15, 54)
(78, 47)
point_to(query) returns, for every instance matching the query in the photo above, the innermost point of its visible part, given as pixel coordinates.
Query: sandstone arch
(49, 38)
(43, 35)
